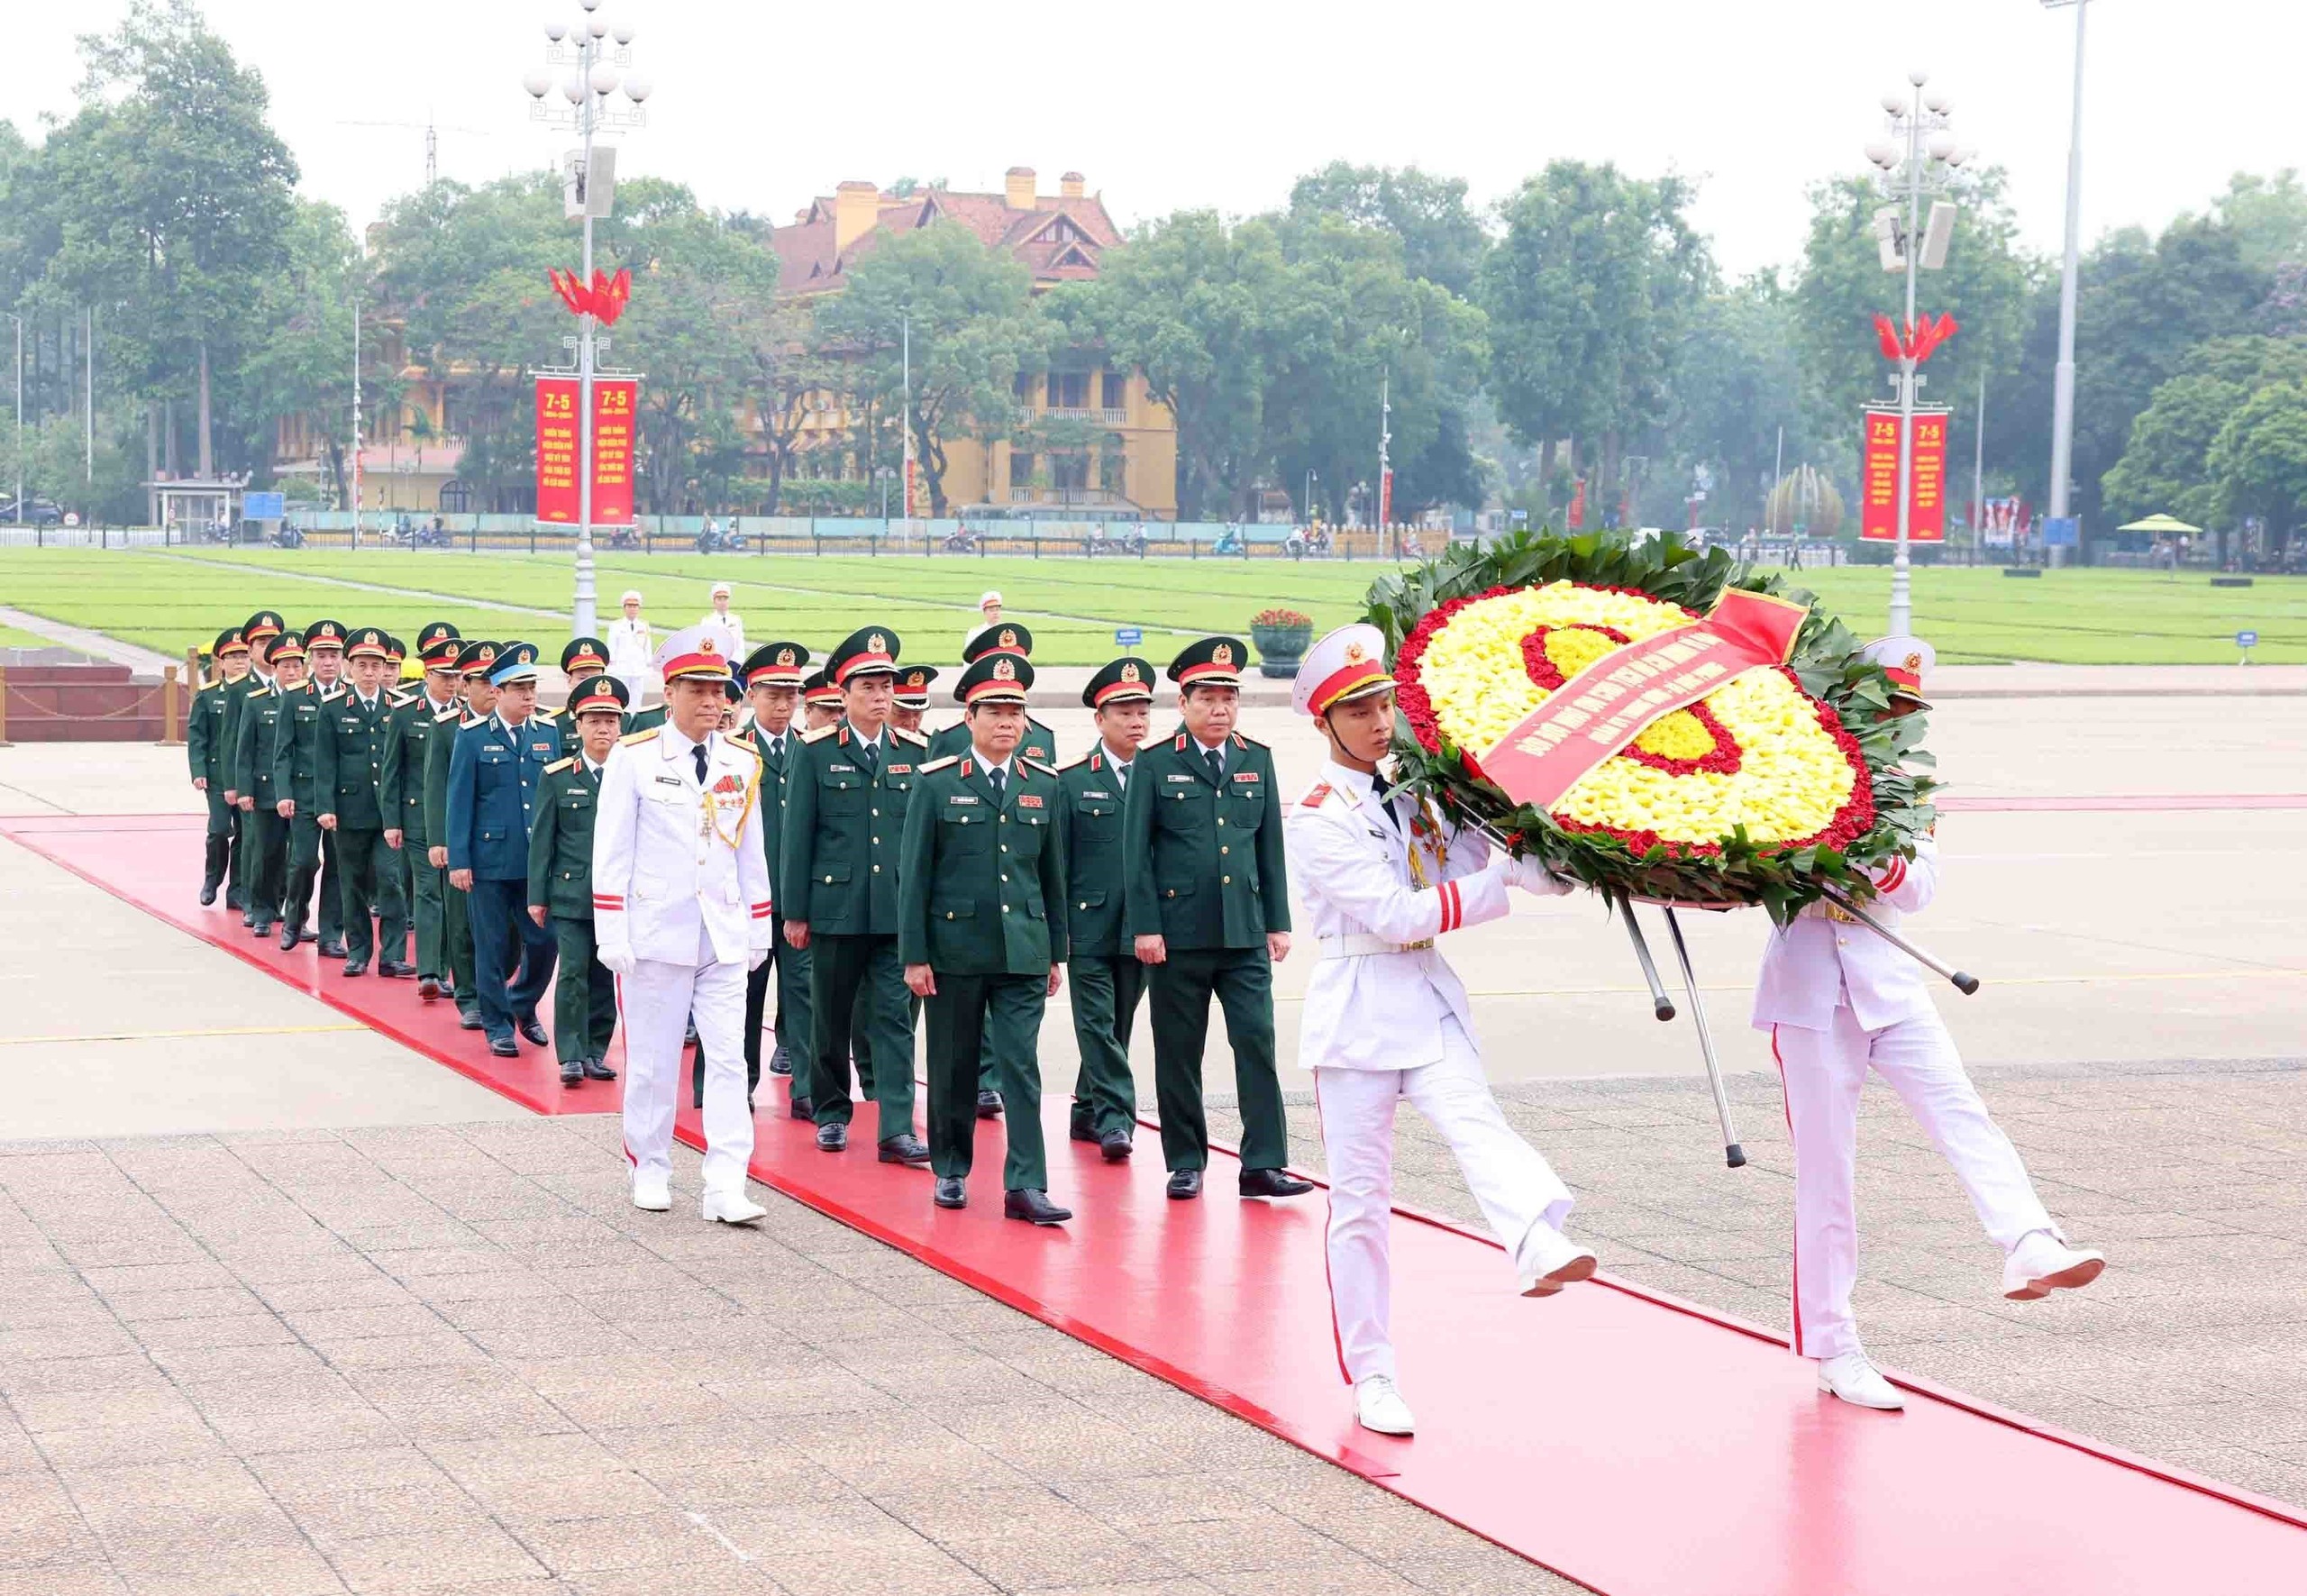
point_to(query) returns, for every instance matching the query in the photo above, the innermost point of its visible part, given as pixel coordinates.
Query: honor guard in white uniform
(630, 649)
(730, 626)
(1838, 1001)
(682, 913)
(1386, 1020)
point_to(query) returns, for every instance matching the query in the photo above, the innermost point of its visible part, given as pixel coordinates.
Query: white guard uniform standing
(1837, 999)
(729, 625)
(1387, 1021)
(682, 911)
(630, 650)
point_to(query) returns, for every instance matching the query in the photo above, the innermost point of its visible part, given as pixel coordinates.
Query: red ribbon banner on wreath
(1610, 702)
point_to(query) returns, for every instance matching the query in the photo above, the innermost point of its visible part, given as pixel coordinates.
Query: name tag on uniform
(1089, 792)
(841, 769)
(1182, 776)
(542, 747)
(961, 798)
(900, 770)
(668, 781)
(1029, 800)
(1246, 775)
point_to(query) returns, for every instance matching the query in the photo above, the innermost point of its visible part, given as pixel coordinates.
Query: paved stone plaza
(286, 1308)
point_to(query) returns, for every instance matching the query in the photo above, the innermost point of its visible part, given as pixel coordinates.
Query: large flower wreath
(1785, 779)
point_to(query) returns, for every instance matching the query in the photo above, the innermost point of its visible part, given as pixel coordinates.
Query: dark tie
(777, 749)
(1215, 758)
(1121, 776)
(869, 756)
(1386, 808)
(699, 753)
(1000, 779)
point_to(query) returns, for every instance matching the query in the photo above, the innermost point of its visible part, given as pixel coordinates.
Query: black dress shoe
(208, 894)
(1033, 1207)
(396, 969)
(833, 1138)
(1080, 1131)
(1273, 1183)
(907, 1148)
(573, 1072)
(781, 1063)
(332, 947)
(596, 1070)
(428, 987)
(951, 1192)
(1185, 1183)
(287, 939)
(469, 1019)
(260, 927)
(503, 1047)
(1115, 1145)
(308, 936)
(534, 1031)
(248, 918)
(356, 967)
(989, 1105)
(802, 1108)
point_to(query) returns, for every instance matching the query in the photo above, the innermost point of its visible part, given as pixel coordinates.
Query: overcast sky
(1186, 103)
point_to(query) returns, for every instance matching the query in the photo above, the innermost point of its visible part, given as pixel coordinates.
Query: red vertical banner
(1927, 520)
(613, 401)
(1878, 478)
(1386, 498)
(557, 449)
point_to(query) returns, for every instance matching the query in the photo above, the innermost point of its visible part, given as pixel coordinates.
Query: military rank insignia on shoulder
(638, 736)
(259, 692)
(821, 733)
(560, 765)
(740, 741)
(1037, 765)
(935, 765)
(543, 714)
(915, 738)
(450, 713)
(332, 694)
(1316, 796)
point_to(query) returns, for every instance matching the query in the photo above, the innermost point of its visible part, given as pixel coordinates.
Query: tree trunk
(1612, 486)
(207, 435)
(1546, 477)
(168, 457)
(151, 463)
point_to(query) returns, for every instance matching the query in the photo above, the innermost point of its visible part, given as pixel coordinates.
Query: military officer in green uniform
(352, 739)
(205, 751)
(400, 795)
(324, 668)
(773, 673)
(981, 931)
(296, 782)
(258, 632)
(560, 881)
(912, 696)
(1209, 913)
(264, 722)
(475, 660)
(837, 883)
(1107, 979)
(820, 702)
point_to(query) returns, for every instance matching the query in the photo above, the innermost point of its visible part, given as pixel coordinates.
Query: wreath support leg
(1733, 1154)
(1661, 1005)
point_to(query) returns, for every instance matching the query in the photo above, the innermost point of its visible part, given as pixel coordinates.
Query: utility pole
(355, 473)
(1978, 475)
(20, 415)
(2063, 374)
(905, 422)
(88, 436)
(1384, 500)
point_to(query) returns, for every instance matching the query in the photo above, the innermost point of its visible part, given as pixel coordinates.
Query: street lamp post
(20, 412)
(586, 46)
(2063, 374)
(1918, 159)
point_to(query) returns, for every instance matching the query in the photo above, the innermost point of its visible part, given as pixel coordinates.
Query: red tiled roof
(808, 263)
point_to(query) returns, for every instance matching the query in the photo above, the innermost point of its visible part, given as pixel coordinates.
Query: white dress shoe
(1855, 1381)
(1377, 1406)
(731, 1207)
(656, 1196)
(1551, 1261)
(2041, 1263)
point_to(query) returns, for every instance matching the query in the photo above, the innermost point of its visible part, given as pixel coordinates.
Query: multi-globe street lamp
(601, 63)
(1917, 157)
(2063, 374)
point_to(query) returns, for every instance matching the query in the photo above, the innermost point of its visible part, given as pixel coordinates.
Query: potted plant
(1281, 636)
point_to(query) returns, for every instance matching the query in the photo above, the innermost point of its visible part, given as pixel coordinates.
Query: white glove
(616, 961)
(755, 959)
(1530, 876)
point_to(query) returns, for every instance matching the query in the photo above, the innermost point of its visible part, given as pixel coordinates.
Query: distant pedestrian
(989, 609)
(732, 627)
(630, 647)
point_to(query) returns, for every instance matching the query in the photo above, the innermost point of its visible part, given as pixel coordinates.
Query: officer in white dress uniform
(1386, 1020)
(730, 626)
(1837, 999)
(630, 649)
(682, 913)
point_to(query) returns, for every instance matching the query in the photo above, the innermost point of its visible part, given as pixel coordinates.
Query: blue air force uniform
(496, 772)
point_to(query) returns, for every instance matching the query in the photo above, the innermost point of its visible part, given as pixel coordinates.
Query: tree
(2259, 460)
(2166, 463)
(1442, 241)
(1737, 381)
(1588, 294)
(2267, 216)
(974, 326)
(776, 350)
(301, 359)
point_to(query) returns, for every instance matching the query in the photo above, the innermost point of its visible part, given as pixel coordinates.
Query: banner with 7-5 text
(614, 401)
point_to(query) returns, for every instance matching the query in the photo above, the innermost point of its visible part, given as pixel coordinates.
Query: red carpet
(1640, 1445)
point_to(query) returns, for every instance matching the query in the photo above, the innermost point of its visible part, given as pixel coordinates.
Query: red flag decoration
(604, 298)
(1917, 342)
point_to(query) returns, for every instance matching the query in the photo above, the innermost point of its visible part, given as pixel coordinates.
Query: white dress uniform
(734, 628)
(1387, 1021)
(631, 650)
(682, 911)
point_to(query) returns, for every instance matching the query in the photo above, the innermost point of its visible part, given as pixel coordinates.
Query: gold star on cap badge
(1003, 670)
(1223, 654)
(1355, 653)
(877, 645)
(1129, 672)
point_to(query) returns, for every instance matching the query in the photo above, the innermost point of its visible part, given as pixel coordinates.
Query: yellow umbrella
(2161, 524)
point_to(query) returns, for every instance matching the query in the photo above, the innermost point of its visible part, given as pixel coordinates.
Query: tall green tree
(975, 327)
(2259, 461)
(1442, 239)
(300, 362)
(1737, 381)
(2267, 215)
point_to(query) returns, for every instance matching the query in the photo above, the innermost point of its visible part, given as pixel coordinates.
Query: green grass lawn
(17, 637)
(165, 601)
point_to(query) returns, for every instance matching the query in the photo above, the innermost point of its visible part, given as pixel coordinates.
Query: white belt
(1355, 944)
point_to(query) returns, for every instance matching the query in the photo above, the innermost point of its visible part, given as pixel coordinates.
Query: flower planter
(1280, 649)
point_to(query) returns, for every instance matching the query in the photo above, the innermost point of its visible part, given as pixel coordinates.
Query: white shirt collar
(592, 765)
(498, 716)
(1218, 747)
(1115, 761)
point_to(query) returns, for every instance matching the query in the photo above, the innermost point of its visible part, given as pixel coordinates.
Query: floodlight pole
(1902, 591)
(2063, 374)
(584, 609)
(20, 415)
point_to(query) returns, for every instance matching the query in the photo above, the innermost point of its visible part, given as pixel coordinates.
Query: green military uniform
(1202, 867)
(257, 631)
(255, 761)
(645, 720)
(297, 774)
(837, 872)
(330, 915)
(981, 887)
(473, 659)
(205, 753)
(400, 795)
(775, 665)
(1108, 980)
(354, 735)
(560, 881)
